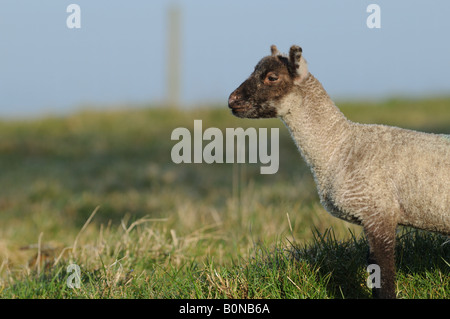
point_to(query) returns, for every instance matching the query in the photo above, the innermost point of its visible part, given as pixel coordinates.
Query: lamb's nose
(232, 100)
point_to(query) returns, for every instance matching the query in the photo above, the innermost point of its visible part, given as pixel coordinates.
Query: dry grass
(99, 189)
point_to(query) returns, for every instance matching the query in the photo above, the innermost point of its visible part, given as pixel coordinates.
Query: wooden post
(174, 56)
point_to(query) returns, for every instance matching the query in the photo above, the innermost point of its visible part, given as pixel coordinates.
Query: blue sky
(119, 56)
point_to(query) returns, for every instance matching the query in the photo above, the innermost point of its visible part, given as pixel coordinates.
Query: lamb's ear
(274, 50)
(298, 64)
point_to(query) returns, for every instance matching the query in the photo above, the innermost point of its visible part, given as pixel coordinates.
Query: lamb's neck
(317, 126)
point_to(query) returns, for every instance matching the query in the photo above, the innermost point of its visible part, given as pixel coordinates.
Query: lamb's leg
(381, 238)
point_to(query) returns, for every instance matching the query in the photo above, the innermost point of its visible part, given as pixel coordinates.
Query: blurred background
(128, 54)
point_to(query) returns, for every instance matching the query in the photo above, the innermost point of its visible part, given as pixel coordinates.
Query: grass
(98, 189)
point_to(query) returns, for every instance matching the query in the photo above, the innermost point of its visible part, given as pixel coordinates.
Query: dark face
(257, 97)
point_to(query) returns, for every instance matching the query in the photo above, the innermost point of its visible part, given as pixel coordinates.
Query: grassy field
(99, 189)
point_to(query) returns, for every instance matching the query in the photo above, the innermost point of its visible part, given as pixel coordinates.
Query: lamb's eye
(271, 77)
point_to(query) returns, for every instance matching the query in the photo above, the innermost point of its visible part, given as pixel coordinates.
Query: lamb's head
(274, 77)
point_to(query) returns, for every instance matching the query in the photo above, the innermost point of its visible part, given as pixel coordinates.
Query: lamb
(375, 176)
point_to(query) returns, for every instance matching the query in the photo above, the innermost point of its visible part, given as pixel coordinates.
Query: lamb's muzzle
(375, 176)
(233, 103)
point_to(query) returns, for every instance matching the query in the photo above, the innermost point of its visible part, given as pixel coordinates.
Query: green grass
(99, 189)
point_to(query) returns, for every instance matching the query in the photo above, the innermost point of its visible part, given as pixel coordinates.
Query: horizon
(118, 56)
